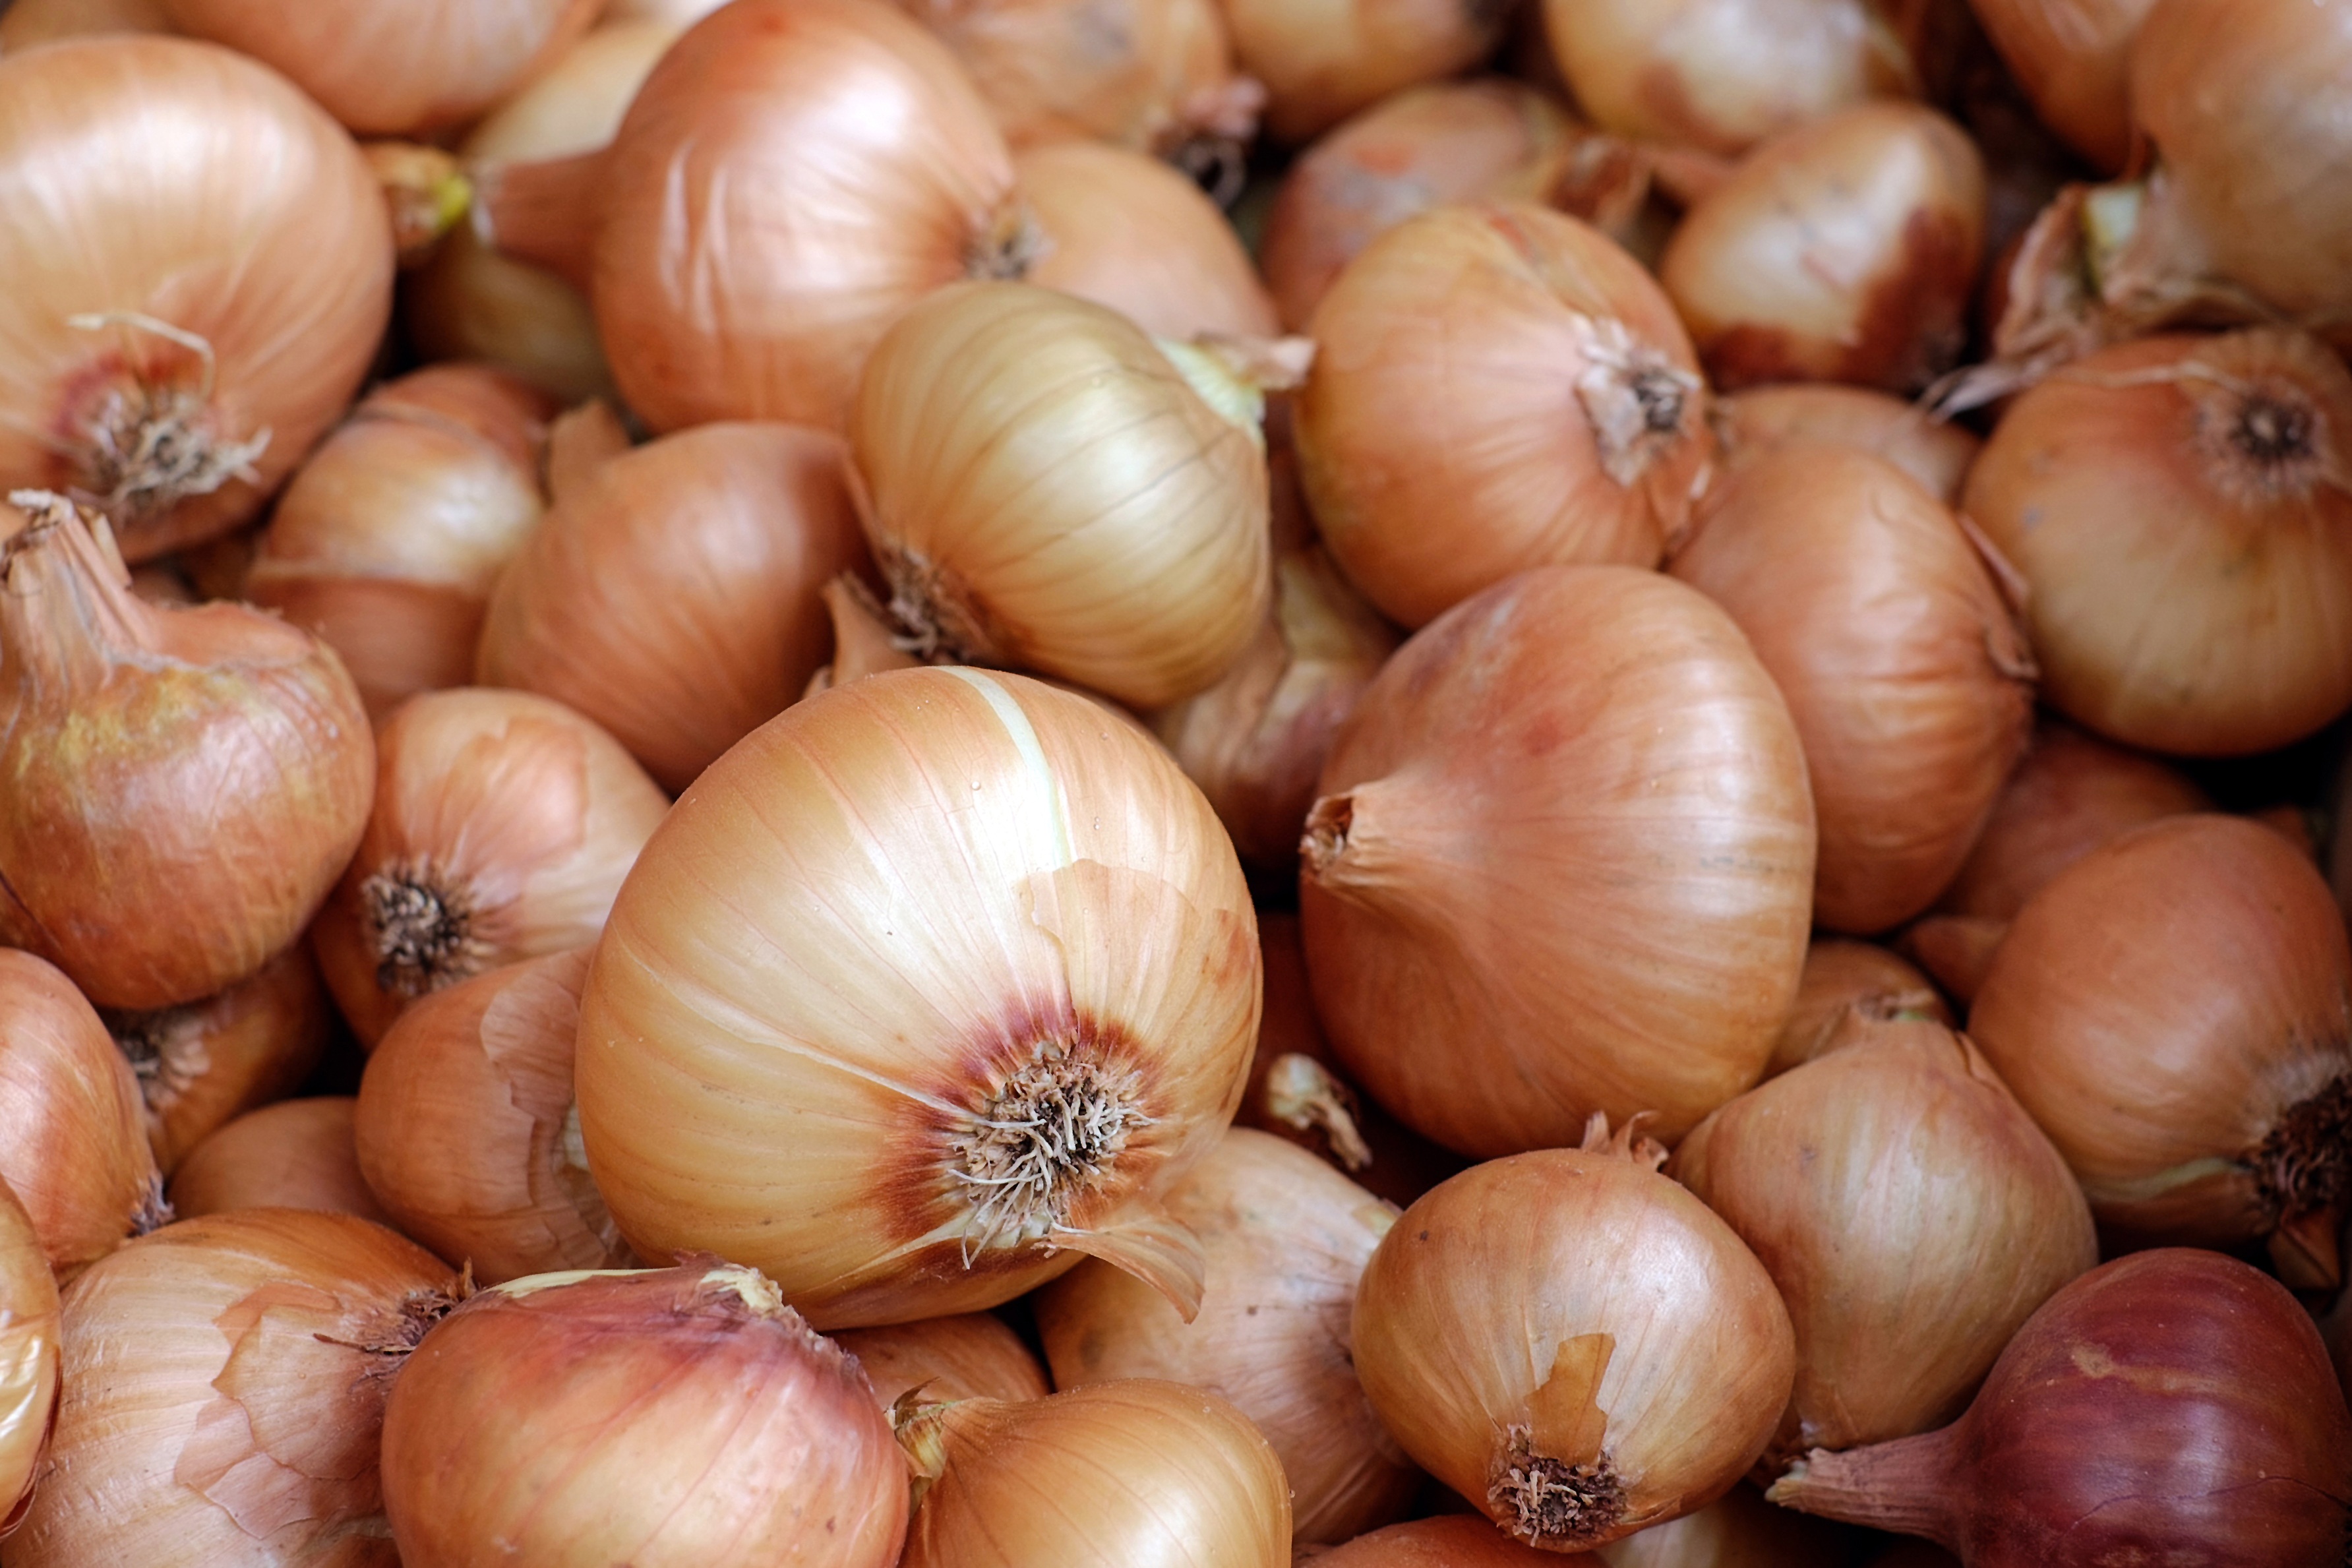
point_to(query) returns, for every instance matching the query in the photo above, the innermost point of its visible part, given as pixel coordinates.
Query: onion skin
(1843, 980)
(29, 1357)
(680, 1416)
(672, 594)
(1740, 1530)
(30, 22)
(1513, 757)
(1762, 419)
(1902, 663)
(2176, 1402)
(2071, 57)
(295, 1154)
(1448, 1541)
(1322, 62)
(2173, 1010)
(971, 1355)
(1286, 1239)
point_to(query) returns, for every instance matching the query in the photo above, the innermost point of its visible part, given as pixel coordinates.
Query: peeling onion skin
(28, 1358)
(1845, 979)
(1516, 756)
(2072, 57)
(1760, 419)
(1445, 1542)
(968, 1355)
(295, 1154)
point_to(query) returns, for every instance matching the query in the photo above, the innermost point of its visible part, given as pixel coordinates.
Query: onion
(1130, 232)
(1322, 61)
(226, 1389)
(1512, 373)
(680, 1416)
(1912, 1215)
(1843, 981)
(502, 827)
(1738, 1529)
(186, 312)
(201, 1065)
(1763, 420)
(2071, 57)
(2180, 508)
(790, 177)
(671, 593)
(1573, 1342)
(295, 1154)
(30, 22)
(1286, 1239)
(1843, 249)
(2172, 1009)
(1052, 489)
(29, 1357)
(1014, 1025)
(1107, 1476)
(676, 13)
(2176, 1402)
(387, 542)
(970, 1355)
(1567, 832)
(399, 71)
(1902, 663)
(465, 1130)
(1447, 1542)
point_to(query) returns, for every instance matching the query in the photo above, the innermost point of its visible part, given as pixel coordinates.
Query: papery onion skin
(1075, 931)
(30, 22)
(1760, 419)
(161, 180)
(1598, 744)
(1445, 1542)
(29, 1357)
(1573, 1342)
(2179, 509)
(464, 1130)
(1903, 664)
(2071, 57)
(971, 1355)
(220, 1411)
(1286, 1238)
(1845, 979)
(682, 1415)
(1911, 1214)
(1496, 387)
(1107, 1475)
(2174, 1402)
(295, 1154)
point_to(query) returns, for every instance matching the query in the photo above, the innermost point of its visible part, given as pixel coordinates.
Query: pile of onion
(29, 1357)
(295, 1154)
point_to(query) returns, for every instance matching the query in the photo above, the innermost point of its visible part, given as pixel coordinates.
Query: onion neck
(1903, 1485)
(1233, 374)
(428, 193)
(1007, 243)
(1638, 401)
(67, 616)
(1301, 1094)
(543, 213)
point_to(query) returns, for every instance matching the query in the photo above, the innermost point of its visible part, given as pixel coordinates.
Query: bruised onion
(1496, 387)
(1567, 832)
(465, 1130)
(2174, 1402)
(682, 1416)
(295, 1154)
(1902, 663)
(971, 1355)
(961, 1047)
(503, 825)
(1573, 1342)
(2071, 58)
(1764, 418)
(1843, 980)
(1449, 1541)
(29, 1357)
(1286, 1239)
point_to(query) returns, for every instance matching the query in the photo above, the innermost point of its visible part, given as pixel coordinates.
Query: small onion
(2174, 1009)
(2175, 1403)
(1494, 388)
(1567, 832)
(671, 594)
(466, 1129)
(1762, 419)
(1322, 61)
(295, 1154)
(1447, 1542)
(1902, 663)
(1573, 1342)
(1286, 1239)
(2179, 509)
(386, 543)
(1107, 1476)
(2071, 58)
(959, 1048)
(28, 1358)
(1051, 489)
(503, 825)
(970, 1355)
(680, 1417)
(29, 22)
(1845, 980)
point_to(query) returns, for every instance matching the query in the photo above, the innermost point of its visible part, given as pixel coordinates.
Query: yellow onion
(503, 825)
(152, 750)
(29, 22)
(224, 1385)
(1449, 1541)
(295, 1154)
(1844, 980)
(1762, 419)
(676, 13)
(2174, 1010)
(2071, 58)
(1912, 1215)
(1321, 60)
(680, 1416)
(1051, 489)
(910, 1059)
(1843, 249)
(1567, 832)
(201, 1064)
(1573, 1342)
(199, 266)
(1740, 1530)
(1902, 663)
(2179, 509)
(1286, 1239)
(28, 1358)
(1107, 1476)
(671, 594)
(387, 542)
(1496, 387)
(790, 177)
(399, 71)
(968, 1355)
(466, 1129)
(1130, 232)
